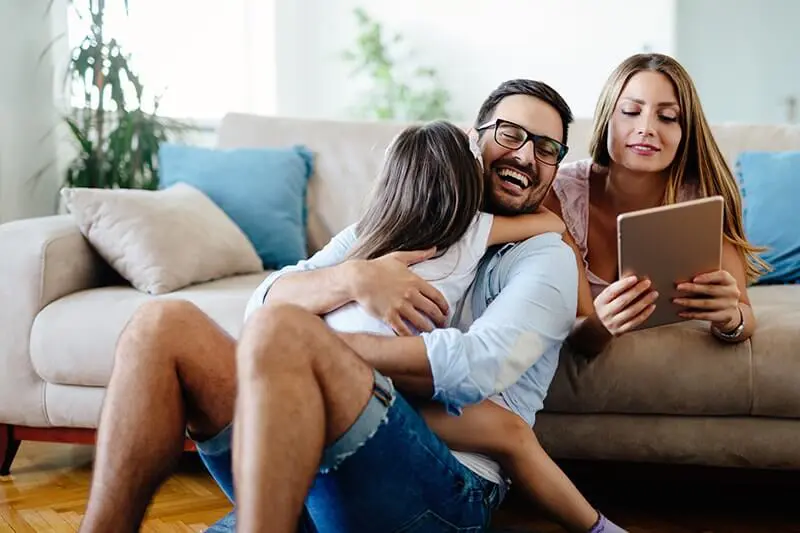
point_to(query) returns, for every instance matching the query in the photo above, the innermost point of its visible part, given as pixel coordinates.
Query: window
(202, 57)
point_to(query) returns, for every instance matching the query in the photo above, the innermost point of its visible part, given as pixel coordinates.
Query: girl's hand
(625, 304)
(714, 297)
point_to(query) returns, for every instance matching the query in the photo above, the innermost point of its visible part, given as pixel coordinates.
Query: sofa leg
(8, 449)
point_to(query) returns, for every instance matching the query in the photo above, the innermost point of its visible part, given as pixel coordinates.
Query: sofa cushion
(682, 370)
(770, 184)
(164, 240)
(262, 189)
(73, 339)
(678, 369)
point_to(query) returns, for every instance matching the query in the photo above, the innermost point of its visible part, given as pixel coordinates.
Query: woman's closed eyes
(661, 117)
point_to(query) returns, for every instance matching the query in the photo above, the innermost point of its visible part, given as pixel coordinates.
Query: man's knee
(281, 321)
(159, 324)
(283, 330)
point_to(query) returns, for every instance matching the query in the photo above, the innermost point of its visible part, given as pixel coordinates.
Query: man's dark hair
(534, 88)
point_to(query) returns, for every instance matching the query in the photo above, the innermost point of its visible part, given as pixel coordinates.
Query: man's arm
(318, 284)
(532, 314)
(385, 286)
(404, 359)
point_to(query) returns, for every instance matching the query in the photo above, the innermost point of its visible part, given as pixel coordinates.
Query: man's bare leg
(173, 365)
(300, 388)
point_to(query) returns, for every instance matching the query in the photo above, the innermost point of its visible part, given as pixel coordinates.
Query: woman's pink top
(571, 186)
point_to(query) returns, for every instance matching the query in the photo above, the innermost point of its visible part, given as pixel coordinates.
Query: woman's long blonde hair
(698, 160)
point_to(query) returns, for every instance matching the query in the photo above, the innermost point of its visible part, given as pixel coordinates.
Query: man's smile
(513, 179)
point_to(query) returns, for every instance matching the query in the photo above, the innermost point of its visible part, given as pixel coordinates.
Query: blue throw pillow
(263, 190)
(770, 184)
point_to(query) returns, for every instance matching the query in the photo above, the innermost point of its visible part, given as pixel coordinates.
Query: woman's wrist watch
(733, 334)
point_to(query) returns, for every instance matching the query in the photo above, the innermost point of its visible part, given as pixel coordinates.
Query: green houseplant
(117, 140)
(395, 91)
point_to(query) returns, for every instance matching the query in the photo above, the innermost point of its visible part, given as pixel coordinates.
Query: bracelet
(736, 333)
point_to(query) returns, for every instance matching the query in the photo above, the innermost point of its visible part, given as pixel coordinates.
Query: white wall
(571, 44)
(743, 56)
(29, 171)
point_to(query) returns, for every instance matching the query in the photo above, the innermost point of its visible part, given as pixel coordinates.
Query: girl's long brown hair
(427, 194)
(698, 159)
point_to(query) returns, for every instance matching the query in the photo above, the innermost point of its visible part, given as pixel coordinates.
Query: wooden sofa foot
(8, 449)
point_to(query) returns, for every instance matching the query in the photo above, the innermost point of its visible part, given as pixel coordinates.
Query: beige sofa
(669, 395)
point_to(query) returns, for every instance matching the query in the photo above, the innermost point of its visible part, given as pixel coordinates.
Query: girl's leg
(492, 430)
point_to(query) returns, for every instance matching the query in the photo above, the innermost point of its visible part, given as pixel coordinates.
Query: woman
(651, 146)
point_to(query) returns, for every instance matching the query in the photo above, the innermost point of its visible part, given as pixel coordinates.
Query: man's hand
(388, 290)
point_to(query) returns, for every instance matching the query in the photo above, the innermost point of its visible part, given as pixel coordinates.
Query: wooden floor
(50, 482)
(48, 490)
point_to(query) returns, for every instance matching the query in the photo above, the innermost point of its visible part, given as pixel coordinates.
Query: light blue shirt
(507, 334)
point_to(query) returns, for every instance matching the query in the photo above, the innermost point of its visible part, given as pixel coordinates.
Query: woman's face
(644, 131)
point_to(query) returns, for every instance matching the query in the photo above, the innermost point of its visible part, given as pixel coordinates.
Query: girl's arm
(521, 227)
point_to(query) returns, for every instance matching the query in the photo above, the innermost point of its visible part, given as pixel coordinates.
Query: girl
(429, 195)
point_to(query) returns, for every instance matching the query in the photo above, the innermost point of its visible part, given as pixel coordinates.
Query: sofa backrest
(348, 156)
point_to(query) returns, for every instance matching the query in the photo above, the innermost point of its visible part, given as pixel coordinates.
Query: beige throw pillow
(161, 241)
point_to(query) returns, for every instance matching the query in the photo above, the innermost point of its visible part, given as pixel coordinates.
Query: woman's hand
(625, 304)
(714, 297)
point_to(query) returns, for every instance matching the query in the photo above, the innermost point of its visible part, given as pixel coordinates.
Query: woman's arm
(521, 227)
(719, 297)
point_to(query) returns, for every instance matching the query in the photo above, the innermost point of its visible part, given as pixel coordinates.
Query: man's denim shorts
(389, 473)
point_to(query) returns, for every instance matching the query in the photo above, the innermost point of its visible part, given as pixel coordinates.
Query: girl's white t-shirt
(451, 273)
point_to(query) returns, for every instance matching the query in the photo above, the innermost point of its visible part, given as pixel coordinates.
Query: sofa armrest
(45, 259)
(41, 260)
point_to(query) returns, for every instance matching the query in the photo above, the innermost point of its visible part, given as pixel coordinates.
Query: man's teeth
(513, 176)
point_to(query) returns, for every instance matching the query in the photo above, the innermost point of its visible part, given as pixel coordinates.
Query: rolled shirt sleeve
(536, 287)
(332, 254)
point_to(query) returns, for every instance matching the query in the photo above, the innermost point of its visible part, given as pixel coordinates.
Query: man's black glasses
(513, 136)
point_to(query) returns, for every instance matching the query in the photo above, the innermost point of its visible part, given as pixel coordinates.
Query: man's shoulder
(543, 258)
(542, 249)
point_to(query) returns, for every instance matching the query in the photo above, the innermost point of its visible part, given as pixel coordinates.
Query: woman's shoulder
(572, 179)
(579, 170)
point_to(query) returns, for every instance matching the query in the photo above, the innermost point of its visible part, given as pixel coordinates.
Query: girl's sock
(604, 525)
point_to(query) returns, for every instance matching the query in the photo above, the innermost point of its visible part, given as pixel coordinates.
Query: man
(321, 435)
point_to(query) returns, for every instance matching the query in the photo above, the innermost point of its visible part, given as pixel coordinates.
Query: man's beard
(493, 199)
(495, 205)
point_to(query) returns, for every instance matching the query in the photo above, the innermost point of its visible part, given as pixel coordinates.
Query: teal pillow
(263, 190)
(770, 185)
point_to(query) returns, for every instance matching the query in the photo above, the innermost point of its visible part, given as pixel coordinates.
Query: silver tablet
(670, 244)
